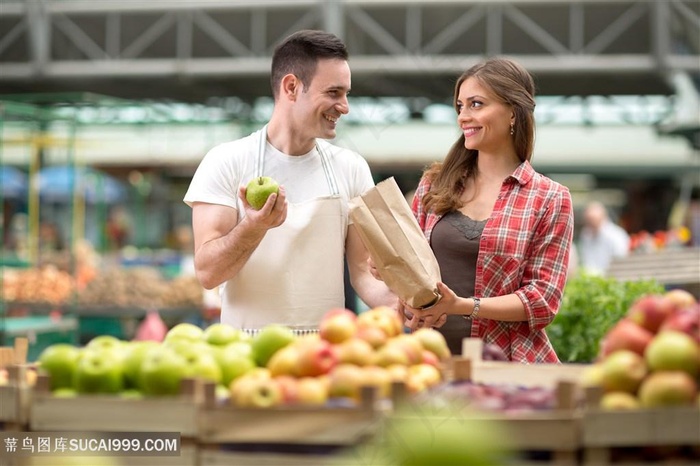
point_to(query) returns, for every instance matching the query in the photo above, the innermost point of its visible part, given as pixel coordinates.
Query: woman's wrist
(473, 306)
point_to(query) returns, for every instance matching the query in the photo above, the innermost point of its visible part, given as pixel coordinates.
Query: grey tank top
(455, 242)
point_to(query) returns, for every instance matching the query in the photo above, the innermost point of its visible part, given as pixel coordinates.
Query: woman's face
(484, 120)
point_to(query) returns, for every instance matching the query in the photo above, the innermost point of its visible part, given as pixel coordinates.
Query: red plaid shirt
(524, 249)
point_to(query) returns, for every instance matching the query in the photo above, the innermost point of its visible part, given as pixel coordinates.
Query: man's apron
(296, 273)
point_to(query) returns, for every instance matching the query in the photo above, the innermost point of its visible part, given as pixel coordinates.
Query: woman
(501, 232)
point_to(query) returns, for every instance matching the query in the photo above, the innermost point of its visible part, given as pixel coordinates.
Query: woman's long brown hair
(514, 86)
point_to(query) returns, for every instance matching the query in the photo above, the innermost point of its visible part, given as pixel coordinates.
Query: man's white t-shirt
(232, 164)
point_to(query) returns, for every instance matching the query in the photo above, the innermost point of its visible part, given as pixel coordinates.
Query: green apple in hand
(259, 189)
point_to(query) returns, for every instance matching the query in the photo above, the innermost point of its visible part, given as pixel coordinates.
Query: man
(284, 263)
(601, 240)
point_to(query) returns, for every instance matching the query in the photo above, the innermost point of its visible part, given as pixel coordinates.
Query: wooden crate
(110, 413)
(223, 427)
(15, 395)
(557, 431)
(526, 375)
(15, 398)
(603, 431)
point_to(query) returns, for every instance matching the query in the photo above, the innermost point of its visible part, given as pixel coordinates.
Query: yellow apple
(253, 392)
(433, 341)
(429, 373)
(355, 351)
(378, 377)
(312, 391)
(410, 345)
(385, 319)
(388, 355)
(344, 381)
(284, 361)
(338, 325)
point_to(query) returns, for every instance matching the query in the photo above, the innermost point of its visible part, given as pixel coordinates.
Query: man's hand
(373, 269)
(271, 215)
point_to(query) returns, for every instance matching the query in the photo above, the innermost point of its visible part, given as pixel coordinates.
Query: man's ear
(290, 86)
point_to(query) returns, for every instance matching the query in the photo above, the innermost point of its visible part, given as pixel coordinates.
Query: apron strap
(328, 170)
(325, 162)
(260, 159)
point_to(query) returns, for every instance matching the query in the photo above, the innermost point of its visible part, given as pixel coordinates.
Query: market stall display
(278, 397)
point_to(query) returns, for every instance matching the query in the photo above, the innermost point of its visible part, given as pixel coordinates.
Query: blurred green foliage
(591, 305)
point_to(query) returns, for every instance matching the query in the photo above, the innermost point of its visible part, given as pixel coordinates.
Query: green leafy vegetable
(591, 305)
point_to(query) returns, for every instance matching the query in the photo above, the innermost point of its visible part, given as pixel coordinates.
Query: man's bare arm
(372, 291)
(222, 245)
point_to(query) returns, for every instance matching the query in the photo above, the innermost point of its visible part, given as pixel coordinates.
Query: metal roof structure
(194, 51)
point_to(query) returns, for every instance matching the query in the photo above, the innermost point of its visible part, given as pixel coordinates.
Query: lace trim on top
(471, 229)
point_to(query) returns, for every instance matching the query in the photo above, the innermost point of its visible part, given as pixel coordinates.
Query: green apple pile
(349, 351)
(108, 365)
(651, 358)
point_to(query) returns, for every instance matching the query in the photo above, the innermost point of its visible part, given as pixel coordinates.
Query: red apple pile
(349, 352)
(651, 357)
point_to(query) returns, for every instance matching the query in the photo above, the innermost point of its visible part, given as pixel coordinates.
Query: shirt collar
(524, 173)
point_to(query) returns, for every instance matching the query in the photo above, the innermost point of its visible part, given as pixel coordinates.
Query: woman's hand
(435, 316)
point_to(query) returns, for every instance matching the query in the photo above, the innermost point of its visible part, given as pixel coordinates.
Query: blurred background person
(600, 239)
(118, 228)
(50, 238)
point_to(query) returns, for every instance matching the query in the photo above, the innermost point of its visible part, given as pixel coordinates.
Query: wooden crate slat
(9, 407)
(210, 457)
(546, 431)
(320, 426)
(544, 375)
(15, 397)
(110, 413)
(668, 426)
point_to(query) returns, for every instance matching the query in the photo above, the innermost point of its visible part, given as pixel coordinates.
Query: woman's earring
(512, 130)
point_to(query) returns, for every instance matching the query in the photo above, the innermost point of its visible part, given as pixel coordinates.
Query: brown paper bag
(396, 243)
